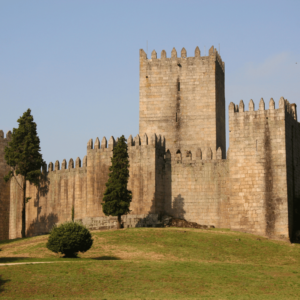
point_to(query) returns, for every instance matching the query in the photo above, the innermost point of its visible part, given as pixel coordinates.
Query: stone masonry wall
(98, 163)
(257, 169)
(197, 188)
(15, 209)
(179, 98)
(51, 203)
(4, 188)
(248, 191)
(146, 164)
(292, 132)
(83, 187)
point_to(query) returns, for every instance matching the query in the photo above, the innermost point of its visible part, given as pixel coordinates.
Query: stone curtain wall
(4, 188)
(83, 186)
(293, 166)
(62, 188)
(248, 191)
(15, 209)
(145, 159)
(258, 197)
(197, 189)
(99, 161)
(145, 181)
(178, 98)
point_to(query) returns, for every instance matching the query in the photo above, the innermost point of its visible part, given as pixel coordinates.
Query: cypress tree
(117, 197)
(24, 157)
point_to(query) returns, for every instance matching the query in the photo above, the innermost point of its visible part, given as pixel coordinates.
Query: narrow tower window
(178, 86)
(176, 117)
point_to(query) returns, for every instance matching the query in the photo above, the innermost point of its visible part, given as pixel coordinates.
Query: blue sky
(75, 64)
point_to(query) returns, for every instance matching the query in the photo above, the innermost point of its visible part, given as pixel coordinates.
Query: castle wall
(52, 201)
(15, 209)
(145, 181)
(4, 189)
(98, 163)
(197, 188)
(292, 128)
(256, 189)
(258, 200)
(83, 187)
(179, 98)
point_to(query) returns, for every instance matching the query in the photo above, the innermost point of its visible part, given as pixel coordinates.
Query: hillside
(160, 263)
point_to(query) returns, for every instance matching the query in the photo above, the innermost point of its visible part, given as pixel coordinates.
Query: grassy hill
(155, 263)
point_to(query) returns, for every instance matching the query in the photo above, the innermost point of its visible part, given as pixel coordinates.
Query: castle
(178, 162)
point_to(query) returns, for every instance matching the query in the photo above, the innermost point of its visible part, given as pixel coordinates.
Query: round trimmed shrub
(69, 238)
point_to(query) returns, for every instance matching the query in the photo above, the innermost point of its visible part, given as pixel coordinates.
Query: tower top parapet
(283, 104)
(212, 53)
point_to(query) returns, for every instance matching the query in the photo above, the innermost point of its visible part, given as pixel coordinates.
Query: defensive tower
(183, 98)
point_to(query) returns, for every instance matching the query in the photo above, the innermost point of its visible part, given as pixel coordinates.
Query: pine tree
(117, 197)
(24, 157)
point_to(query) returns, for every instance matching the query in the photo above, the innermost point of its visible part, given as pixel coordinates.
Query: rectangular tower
(183, 98)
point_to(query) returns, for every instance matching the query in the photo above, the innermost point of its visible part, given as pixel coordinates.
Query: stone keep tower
(183, 98)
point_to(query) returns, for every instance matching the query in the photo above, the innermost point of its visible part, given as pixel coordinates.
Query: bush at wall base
(69, 238)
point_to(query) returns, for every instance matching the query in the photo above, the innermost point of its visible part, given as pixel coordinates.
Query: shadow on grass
(106, 257)
(5, 260)
(2, 283)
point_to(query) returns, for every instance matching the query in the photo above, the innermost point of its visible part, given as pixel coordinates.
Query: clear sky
(75, 64)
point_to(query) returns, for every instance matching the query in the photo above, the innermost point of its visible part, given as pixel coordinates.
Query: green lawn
(148, 263)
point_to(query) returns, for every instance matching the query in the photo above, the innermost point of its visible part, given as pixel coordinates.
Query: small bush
(69, 238)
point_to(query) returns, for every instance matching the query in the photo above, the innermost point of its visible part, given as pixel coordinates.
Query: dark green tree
(24, 157)
(117, 197)
(69, 238)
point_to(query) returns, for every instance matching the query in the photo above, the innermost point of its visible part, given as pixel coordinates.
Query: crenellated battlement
(67, 167)
(8, 135)
(183, 60)
(204, 155)
(103, 146)
(153, 141)
(235, 109)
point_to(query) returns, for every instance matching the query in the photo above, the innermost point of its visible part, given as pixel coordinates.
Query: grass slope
(148, 263)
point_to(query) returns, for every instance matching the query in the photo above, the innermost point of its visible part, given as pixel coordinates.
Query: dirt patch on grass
(124, 253)
(24, 242)
(280, 274)
(103, 247)
(21, 252)
(31, 248)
